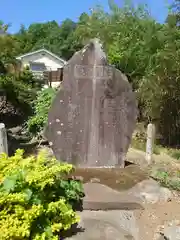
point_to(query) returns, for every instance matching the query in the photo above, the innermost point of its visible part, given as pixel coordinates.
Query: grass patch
(174, 153)
(167, 179)
(166, 167)
(141, 145)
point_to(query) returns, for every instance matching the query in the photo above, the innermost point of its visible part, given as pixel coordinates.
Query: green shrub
(35, 199)
(20, 90)
(41, 107)
(27, 77)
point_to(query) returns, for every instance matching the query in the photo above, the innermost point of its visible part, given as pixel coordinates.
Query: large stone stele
(93, 116)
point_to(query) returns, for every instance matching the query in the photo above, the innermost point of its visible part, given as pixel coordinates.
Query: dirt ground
(156, 215)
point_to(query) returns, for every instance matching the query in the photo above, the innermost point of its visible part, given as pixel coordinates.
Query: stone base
(109, 225)
(116, 178)
(109, 214)
(101, 197)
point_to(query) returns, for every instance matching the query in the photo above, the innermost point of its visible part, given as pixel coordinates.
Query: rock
(123, 221)
(150, 191)
(101, 230)
(93, 116)
(172, 233)
(161, 237)
(79, 178)
(109, 225)
(95, 180)
(15, 130)
(169, 231)
(101, 197)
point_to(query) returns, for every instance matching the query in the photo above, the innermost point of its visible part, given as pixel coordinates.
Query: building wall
(50, 62)
(55, 84)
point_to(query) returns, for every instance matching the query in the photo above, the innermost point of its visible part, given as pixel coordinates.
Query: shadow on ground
(74, 230)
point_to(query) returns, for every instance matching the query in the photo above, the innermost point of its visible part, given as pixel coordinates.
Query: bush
(35, 199)
(41, 107)
(27, 77)
(20, 90)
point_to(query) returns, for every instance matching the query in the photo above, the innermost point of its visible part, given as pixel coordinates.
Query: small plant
(164, 178)
(36, 123)
(35, 199)
(140, 144)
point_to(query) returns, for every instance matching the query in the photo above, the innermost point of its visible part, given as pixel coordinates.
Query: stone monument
(92, 118)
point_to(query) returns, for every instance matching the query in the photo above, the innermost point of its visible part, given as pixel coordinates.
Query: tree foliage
(148, 52)
(142, 48)
(19, 91)
(52, 36)
(41, 105)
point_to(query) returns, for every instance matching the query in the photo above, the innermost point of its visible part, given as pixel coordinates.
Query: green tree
(20, 90)
(146, 51)
(50, 35)
(8, 49)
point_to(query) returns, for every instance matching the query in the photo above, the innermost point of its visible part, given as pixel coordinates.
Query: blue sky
(19, 12)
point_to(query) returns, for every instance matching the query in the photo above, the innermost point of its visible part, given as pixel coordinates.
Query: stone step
(101, 197)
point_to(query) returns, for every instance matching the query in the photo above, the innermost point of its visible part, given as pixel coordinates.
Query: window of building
(40, 67)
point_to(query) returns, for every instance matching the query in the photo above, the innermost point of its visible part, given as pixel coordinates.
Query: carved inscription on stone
(102, 72)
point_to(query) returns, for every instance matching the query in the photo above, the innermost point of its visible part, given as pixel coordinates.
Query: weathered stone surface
(130, 223)
(169, 231)
(172, 232)
(150, 191)
(114, 225)
(92, 118)
(101, 197)
(116, 178)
